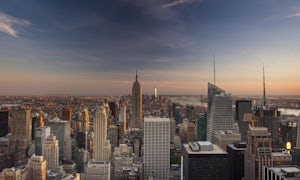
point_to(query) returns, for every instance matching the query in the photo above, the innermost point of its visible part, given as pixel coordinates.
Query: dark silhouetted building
(201, 126)
(242, 107)
(236, 160)
(204, 160)
(3, 122)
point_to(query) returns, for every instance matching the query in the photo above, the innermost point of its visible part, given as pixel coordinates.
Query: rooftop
(155, 119)
(216, 150)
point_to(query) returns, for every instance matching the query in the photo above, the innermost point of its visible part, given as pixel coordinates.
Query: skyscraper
(37, 168)
(84, 120)
(156, 147)
(242, 107)
(51, 152)
(67, 114)
(257, 153)
(41, 134)
(102, 147)
(3, 122)
(136, 119)
(220, 111)
(122, 122)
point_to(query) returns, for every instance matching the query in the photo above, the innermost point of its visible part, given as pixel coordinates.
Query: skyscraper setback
(136, 119)
(220, 111)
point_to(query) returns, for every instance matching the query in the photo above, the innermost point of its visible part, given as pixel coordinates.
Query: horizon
(94, 47)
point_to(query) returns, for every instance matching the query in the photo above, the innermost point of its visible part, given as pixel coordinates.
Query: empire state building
(136, 104)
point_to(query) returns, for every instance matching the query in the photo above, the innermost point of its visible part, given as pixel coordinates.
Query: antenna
(264, 88)
(136, 72)
(214, 70)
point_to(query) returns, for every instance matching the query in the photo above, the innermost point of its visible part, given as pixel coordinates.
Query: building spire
(136, 74)
(214, 70)
(264, 88)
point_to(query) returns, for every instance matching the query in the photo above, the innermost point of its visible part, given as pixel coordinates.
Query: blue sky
(94, 47)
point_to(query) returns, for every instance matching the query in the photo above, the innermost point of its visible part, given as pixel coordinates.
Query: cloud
(7, 22)
(294, 15)
(178, 2)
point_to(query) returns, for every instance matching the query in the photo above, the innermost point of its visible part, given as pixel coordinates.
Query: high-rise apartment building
(122, 122)
(102, 147)
(51, 152)
(258, 152)
(67, 114)
(220, 111)
(41, 134)
(37, 168)
(136, 118)
(156, 148)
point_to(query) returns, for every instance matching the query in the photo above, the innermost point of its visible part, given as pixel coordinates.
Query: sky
(94, 47)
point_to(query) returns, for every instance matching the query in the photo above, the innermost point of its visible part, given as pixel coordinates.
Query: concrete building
(122, 122)
(37, 168)
(281, 173)
(247, 121)
(41, 134)
(187, 132)
(204, 160)
(102, 147)
(220, 111)
(156, 147)
(67, 113)
(258, 152)
(51, 152)
(62, 130)
(10, 174)
(113, 136)
(122, 157)
(136, 119)
(97, 170)
(236, 160)
(289, 130)
(242, 107)
(223, 138)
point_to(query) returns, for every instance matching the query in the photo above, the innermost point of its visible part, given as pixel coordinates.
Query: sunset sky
(93, 47)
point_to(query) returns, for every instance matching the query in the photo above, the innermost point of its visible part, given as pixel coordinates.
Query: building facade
(51, 152)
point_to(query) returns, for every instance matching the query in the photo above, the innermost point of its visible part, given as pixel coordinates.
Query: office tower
(190, 112)
(41, 134)
(51, 152)
(37, 168)
(21, 124)
(220, 111)
(156, 147)
(21, 136)
(136, 118)
(281, 173)
(236, 160)
(10, 174)
(122, 157)
(187, 132)
(62, 130)
(97, 170)
(223, 138)
(102, 147)
(247, 121)
(4, 122)
(270, 118)
(204, 160)
(178, 114)
(37, 121)
(288, 130)
(84, 120)
(257, 153)
(122, 122)
(172, 129)
(201, 126)
(113, 136)
(113, 106)
(67, 114)
(155, 93)
(242, 107)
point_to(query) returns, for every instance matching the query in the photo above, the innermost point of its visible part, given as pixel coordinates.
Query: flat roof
(216, 150)
(156, 119)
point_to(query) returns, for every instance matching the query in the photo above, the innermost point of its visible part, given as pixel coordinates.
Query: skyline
(93, 48)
